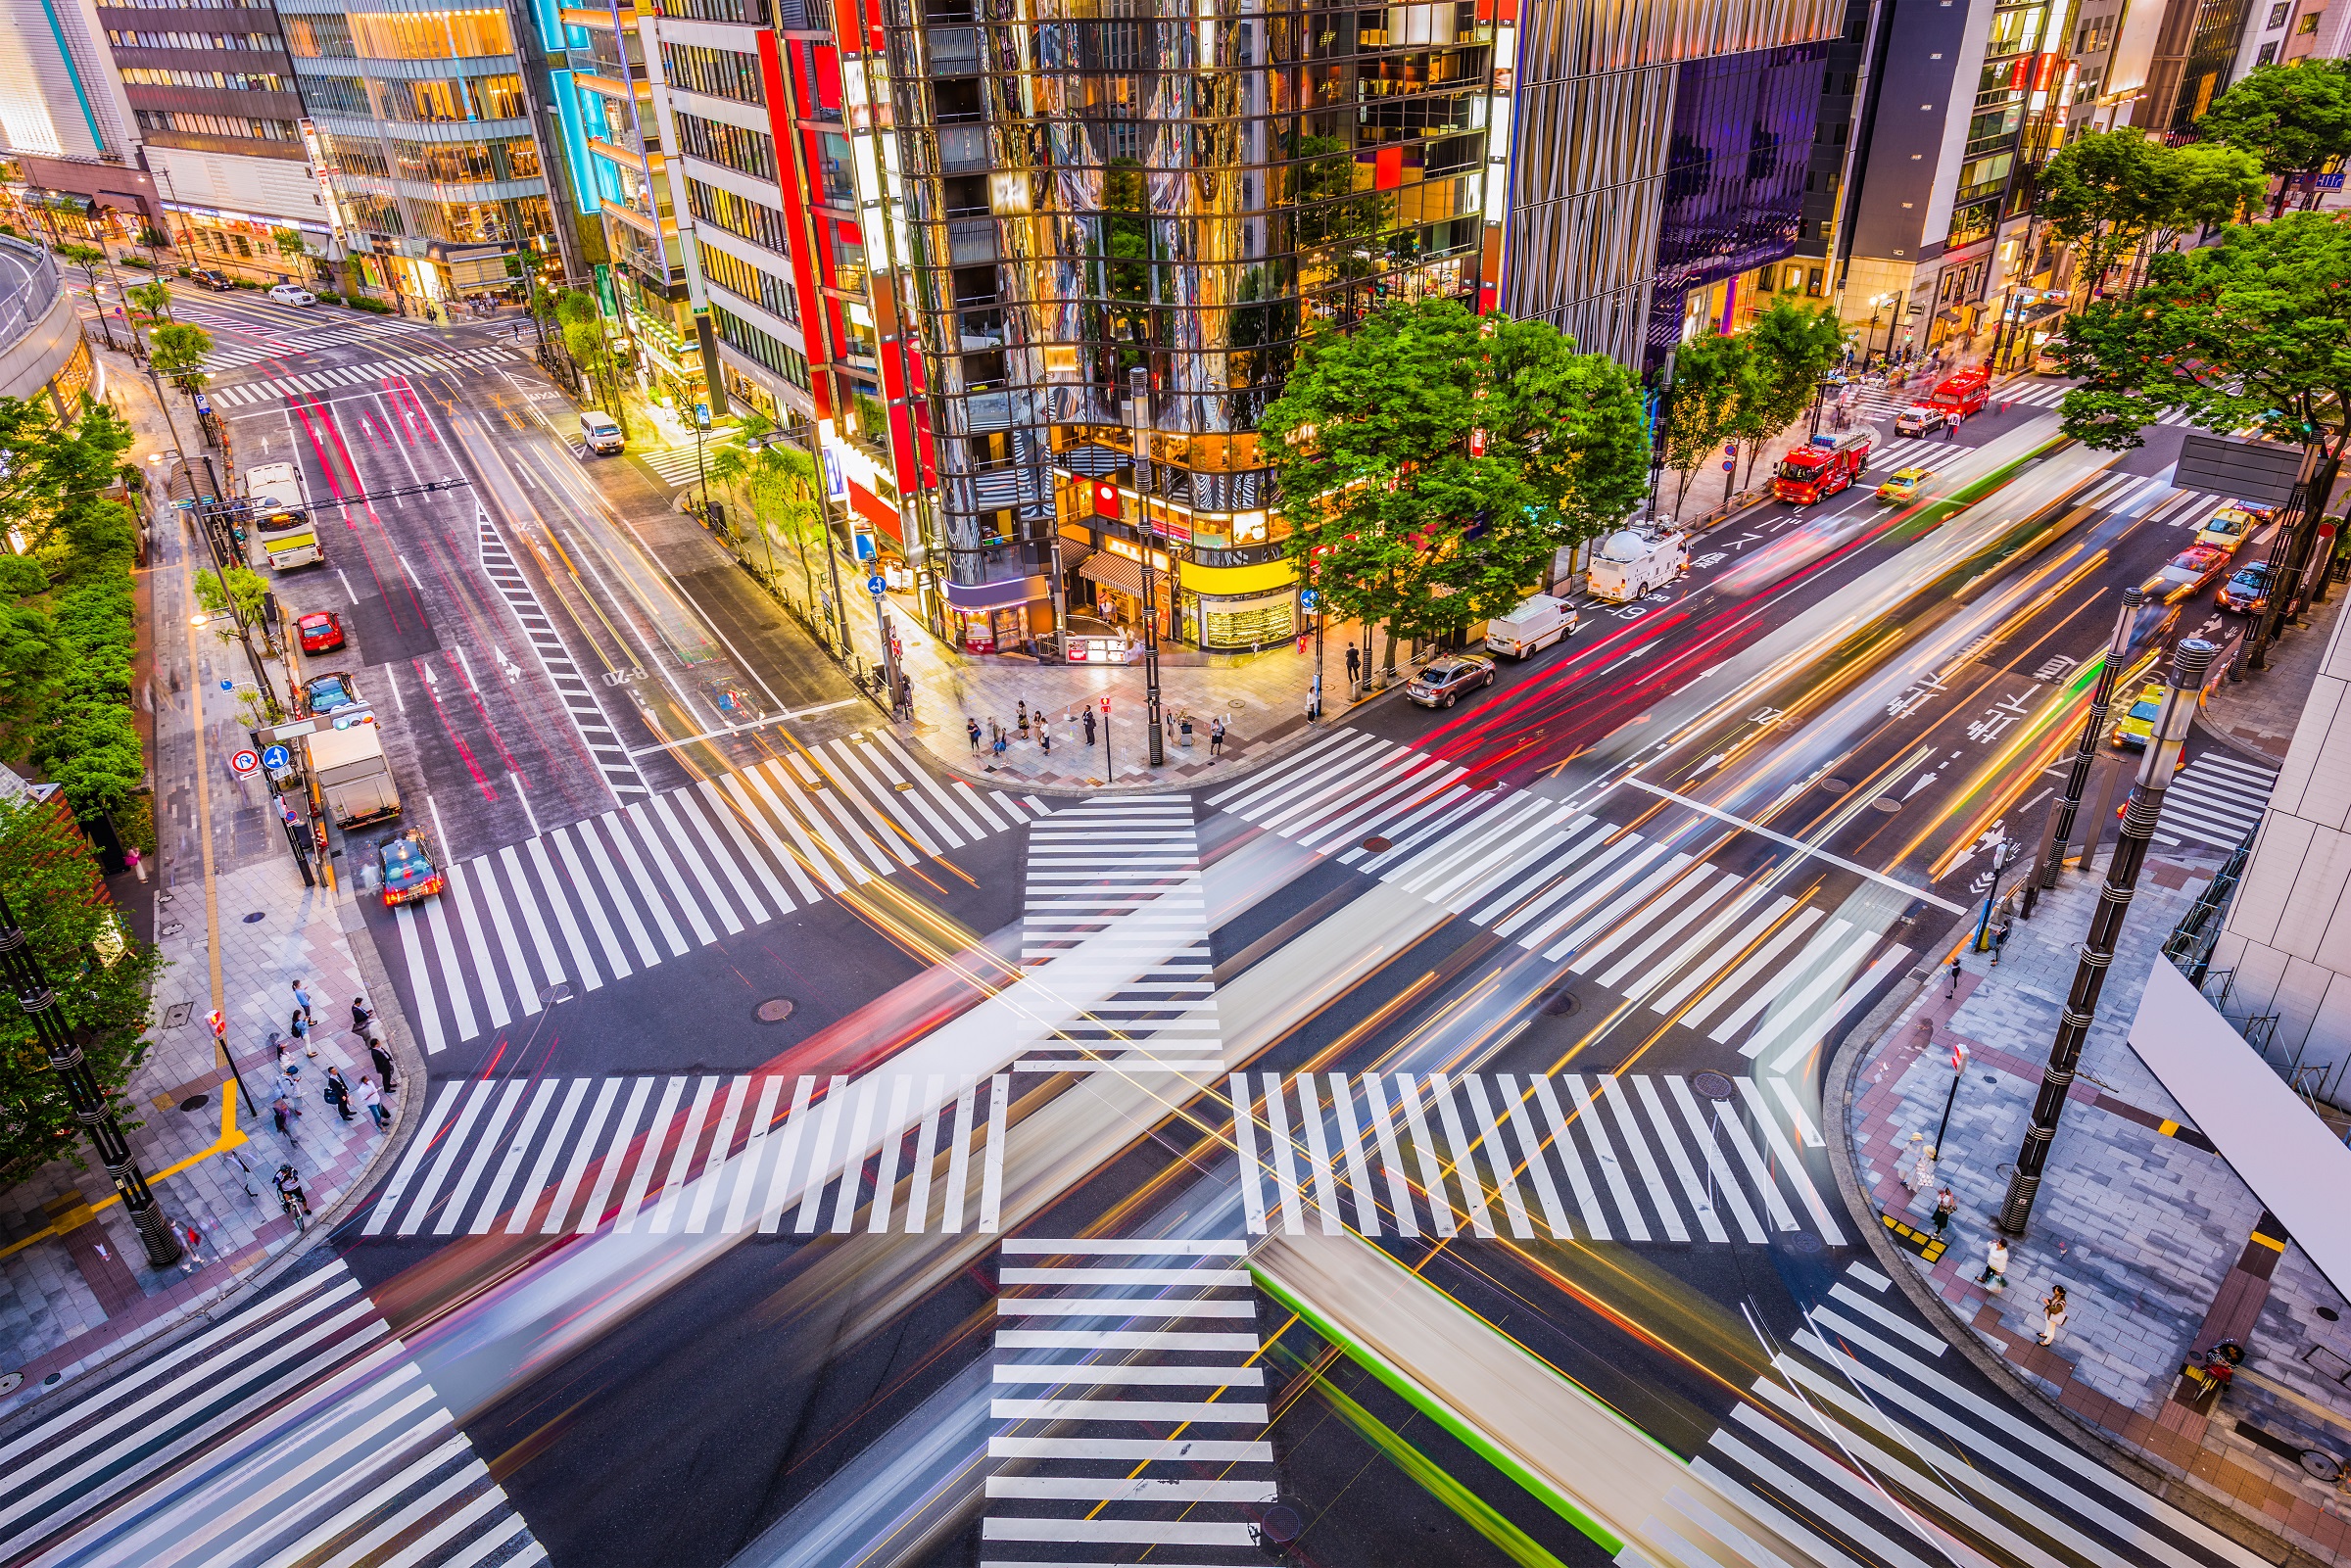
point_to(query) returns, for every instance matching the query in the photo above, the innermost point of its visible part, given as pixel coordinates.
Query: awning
(1074, 552)
(1114, 571)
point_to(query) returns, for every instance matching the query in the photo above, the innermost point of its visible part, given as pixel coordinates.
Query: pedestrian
(971, 728)
(1045, 736)
(1020, 718)
(289, 1082)
(337, 1092)
(382, 1057)
(1953, 973)
(999, 745)
(1951, 428)
(2052, 1314)
(285, 1111)
(1183, 730)
(361, 1016)
(1947, 1204)
(302, 1000)
(1996, 1267)
(1999, 940)
(1215, 740)
(289, 1185)
(1355, 665)
(191, 1253)
(1088, 715)
(298, 1031)
(1922, 1169)
(373, 1099)
(906, 697)
(1913, 1163)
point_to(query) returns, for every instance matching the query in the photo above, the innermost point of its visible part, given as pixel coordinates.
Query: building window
(719, 73)
(174, 122)
(431, 35)
(2307, 25)
(2279, 14)
(748, 341)
(250, 81)
(2268, 55)
(755, 222)
(731, 272)
(746, 152)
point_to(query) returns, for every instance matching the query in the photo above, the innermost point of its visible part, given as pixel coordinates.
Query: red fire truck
(1823, 466)
(1964, 392)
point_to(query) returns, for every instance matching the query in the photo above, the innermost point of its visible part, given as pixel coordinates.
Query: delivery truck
(348, 762)
(1532, 626)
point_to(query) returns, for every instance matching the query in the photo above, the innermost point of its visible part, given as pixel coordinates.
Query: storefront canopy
(1114, 571)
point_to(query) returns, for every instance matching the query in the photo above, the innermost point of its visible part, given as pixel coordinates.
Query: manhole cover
(256, 915)
(177, 1014)
(196, 1102)
(1237, 703)
(2321, 1465)
(1378, 846)
(1562, 1002)
(52, 1380)
(1803, 1241)
(1714, 1086)
(2329, 1313)
(1280, 1525)
(774, 1010)
(1836, 787)
(1991, 1077)
(1484, 781)
(1881, 803)
(9, 1382)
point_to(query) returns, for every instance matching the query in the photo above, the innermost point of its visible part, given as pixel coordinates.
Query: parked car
(321, 631)
(211, 278)
(324, 693)
(293, 293)
(1443, 678)
(2247, 592)
(407, 865)
(2189, 573)
(2232, 526)
(1903, 485)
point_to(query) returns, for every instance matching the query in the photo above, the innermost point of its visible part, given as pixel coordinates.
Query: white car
(293, 293)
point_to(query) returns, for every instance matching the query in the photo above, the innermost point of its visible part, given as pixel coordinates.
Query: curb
(1837, 1097)
(2232, 745)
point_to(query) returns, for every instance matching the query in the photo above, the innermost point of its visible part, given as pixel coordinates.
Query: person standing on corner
(373, 1099)
(1215, 740)
(970, 727)
(2052, 1313)
(1088, 715)
(1999, 940)
(1947, 1204)
(1355, 668)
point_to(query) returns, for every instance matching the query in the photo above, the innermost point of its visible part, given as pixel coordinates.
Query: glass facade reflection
(1734, 196)
(1098, 186)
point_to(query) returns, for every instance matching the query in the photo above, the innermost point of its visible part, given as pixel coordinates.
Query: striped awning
(1113, 571)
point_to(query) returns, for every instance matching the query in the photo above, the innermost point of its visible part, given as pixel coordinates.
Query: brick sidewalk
(75, 1288)
(2141, 1222)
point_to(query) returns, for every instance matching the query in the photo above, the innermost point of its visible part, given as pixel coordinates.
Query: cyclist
(289, 1191)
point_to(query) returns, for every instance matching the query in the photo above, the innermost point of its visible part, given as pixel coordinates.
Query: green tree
(243, 594)
(2101, 194)
(55, 891)
(1792, 349)
(787, 497)
(1432, 461)
(178, 353)
(1715, 385)
(89, 258)
(591, 348)
(290, 242)
(2254, 331)
(151, 300)
(2295, 119)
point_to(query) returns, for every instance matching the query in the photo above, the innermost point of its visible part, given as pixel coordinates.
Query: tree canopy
(177, 352)
(2109, 190)
(2254, 331)
(2291, 118)
(1431, 462)
(1715, 393)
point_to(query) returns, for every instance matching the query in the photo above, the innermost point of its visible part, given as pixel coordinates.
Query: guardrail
(31, 282)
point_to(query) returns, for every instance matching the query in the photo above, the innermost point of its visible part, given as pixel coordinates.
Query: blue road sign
(203, 405)
(276, 758)
(876, 585)
(1310, 598)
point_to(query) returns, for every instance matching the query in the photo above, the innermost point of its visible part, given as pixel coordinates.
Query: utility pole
(2086, 750)
(1138, 398)
(837, 625)
(64, 1042)
(2189, 662)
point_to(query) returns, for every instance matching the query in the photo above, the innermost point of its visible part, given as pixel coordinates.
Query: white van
(1532, 626)
(602, 432)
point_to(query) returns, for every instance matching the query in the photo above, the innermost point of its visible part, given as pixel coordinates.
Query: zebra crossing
(1904, 450)
(1124, 1440)
(611, 758)
(1715, 952)
(368, 375)
(1860, 1425)
(1115, 909)
(692, 1154)
(373, 331)
(2152, 497)
(680, 466)
(2216, 799)
(352, 1457)
(1425, 1154)
(694, 864)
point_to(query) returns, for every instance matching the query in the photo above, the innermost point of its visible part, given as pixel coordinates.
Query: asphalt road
(1531, 997)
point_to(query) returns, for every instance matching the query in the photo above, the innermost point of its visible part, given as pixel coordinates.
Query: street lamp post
(2118, 647)
(1138, 398)
(2190, 661)
(63, 1043)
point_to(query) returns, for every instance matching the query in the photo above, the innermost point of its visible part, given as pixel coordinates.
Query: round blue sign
(875, 584)
(1309, 599)
(276, 758)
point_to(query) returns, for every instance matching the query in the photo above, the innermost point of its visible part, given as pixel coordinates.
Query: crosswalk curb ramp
(1926, 1244)
(293, 1429)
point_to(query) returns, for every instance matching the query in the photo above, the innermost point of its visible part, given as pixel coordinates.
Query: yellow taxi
(1905, 484)
(2138, 720)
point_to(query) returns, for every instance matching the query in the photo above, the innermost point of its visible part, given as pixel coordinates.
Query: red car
(2189, 572)
(321, 633)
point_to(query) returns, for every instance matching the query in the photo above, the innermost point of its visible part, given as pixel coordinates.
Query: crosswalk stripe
(1619, 1101)
(521, 895)
(1759, 963)
(608, 1170)
(474, 900)
(1835, 966)
(722, 811)
(526, 1205)
(585, 886)
(613, 851)
(552, 888)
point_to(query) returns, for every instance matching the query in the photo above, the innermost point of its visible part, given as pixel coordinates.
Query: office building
(66, 120)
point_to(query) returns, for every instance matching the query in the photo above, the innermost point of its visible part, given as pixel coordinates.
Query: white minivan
(602, 432)
(1532, 626)
(293, 293)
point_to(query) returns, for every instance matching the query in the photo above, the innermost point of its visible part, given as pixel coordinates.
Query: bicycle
(295, 1210)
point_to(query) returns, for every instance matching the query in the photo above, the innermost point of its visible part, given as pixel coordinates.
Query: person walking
(1922, 1168)
(1088, 715)
(970, 728)
(1914, 1162)
(285, 1113)
(191, 1240)
(302, 1000)
(289, 1082)
(1215, 740)
(1996, 1267)
(1355, 666)
(1953, 973)
(2052, 1314)
(1947, 1204)
(372, 1099)
(298, 1032)
(337, 1093)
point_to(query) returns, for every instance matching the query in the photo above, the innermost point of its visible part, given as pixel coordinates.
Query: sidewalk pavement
(2259, 713)
(75, 1290)
(2162, 1249)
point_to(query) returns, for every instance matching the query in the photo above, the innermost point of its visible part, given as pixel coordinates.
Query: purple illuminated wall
(1742, 128)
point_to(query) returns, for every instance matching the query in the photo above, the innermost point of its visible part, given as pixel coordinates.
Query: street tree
(590, 348)
(1713, 389)
(1793, 350)
(2295, 119)
(1432, 461)
(56, 892)
(178, 353)
(788, 499)
(153, 300)
(232, 597)
(89, 258)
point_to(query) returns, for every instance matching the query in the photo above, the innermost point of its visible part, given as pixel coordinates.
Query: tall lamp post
(63, 1042)
(2101, 698)
(2190, 661)
(1138, 399)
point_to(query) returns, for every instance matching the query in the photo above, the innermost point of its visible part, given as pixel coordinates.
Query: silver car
(1442, 680)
